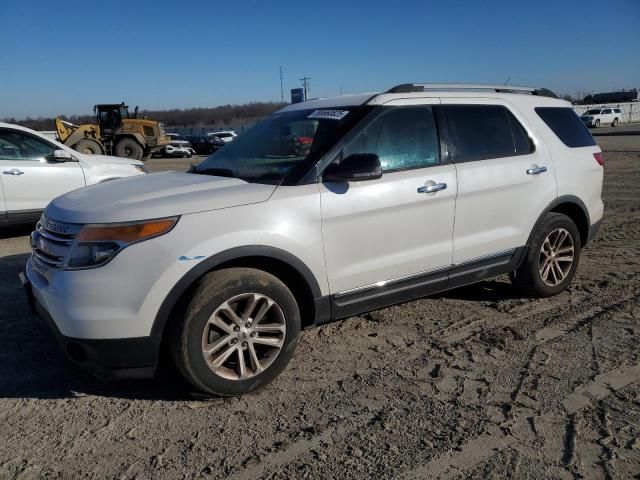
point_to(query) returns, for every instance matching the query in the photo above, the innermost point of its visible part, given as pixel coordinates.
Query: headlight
(141, 168)
(96, 245)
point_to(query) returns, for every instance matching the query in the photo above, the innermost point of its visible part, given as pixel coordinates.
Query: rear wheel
(88, 146)
(552, 258)
(129, 148)
(615, 122)
(239, 331)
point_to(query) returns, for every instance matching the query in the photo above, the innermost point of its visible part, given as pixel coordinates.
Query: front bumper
(108, 359)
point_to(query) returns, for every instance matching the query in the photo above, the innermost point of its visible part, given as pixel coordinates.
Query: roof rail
(435, 87)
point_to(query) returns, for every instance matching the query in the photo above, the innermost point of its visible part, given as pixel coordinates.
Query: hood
(154, 195)
(91, 160)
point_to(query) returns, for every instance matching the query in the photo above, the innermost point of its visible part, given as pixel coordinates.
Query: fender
(210, 263)
(559, 201)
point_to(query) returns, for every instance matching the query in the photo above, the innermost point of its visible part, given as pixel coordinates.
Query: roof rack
(473, 87)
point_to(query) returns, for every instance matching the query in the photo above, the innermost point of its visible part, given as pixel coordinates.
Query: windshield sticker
(329, 114)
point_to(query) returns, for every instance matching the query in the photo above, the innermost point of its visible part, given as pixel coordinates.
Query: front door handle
(13, 171)
(535, 170)
(432, 188)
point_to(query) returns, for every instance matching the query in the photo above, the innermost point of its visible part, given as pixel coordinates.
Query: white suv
(36, 169)
(401, 194)
(601, 116)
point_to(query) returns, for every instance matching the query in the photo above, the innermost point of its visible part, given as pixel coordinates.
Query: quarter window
(480, 132)
(567, 126)
(403, 138)
(19, 146)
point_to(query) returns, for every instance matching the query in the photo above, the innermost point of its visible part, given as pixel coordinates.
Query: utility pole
(305, 85)
(281, 88)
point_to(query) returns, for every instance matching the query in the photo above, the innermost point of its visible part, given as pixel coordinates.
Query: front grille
(50, 243)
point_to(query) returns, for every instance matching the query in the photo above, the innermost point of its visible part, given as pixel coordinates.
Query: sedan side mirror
(61, 156)
(354, 168)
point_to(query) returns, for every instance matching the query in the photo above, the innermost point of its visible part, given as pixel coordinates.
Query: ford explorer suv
(36, 169)
(601, 116)
(401, 194)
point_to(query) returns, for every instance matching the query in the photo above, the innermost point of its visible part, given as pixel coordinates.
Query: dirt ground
(474, 383)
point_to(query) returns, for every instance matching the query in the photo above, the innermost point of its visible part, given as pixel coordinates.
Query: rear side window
(480, 132)
(567, 126)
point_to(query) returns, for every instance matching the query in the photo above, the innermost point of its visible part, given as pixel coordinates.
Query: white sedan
(36, 169)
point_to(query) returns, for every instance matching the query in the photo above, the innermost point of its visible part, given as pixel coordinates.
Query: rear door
(380, 233)
(30, 181)
(505, 178)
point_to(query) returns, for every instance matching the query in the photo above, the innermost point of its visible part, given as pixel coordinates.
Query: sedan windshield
(270, 150)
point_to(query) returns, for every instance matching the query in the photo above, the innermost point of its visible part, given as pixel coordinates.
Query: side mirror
(354, 168)
(61, 156)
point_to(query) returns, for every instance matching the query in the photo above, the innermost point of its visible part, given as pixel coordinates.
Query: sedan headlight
(96, 245)
(141, 168)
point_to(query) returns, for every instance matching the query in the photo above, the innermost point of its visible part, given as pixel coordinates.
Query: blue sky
(63, 57)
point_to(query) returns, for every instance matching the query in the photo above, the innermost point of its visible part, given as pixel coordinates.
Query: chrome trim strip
(509, 251)
(391, 281)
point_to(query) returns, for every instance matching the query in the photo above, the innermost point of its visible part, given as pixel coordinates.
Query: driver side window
(15, 145)
(403, 138)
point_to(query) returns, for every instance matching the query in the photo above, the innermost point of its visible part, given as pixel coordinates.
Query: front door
(29, 180)
(392, 232)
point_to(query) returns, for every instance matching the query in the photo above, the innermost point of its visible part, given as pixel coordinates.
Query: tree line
(223, 115)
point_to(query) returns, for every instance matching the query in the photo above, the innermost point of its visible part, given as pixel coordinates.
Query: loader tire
(89, 147)
(129, 148)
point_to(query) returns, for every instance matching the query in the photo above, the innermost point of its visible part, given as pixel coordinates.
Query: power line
(305, 85)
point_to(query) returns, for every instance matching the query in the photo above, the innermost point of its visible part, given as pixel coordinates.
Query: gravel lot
(475, 383)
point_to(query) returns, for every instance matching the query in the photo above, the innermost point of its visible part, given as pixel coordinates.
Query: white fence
(630, 111)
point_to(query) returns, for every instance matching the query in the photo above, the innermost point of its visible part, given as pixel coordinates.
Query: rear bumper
(593, 230)
(108, 359)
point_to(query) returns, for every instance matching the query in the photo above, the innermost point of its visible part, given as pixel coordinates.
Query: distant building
(612, 97)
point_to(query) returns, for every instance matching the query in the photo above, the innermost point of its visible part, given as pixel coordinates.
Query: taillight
(599, 158)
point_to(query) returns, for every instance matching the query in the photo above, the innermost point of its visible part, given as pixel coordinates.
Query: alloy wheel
(244, 336)
(556, 257)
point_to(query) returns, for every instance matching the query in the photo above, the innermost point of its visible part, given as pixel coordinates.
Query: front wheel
(552, 258)
(615, 122)
(88, 146)
(597, 123)
(239, 331)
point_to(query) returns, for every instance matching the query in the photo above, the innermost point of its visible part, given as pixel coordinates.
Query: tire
(129, 148)
(530, 276)
(596, 124)
(615, 122)
(89, 147)
(235, 342)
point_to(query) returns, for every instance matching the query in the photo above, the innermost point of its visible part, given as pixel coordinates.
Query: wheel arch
(314, 308)
(572, 207)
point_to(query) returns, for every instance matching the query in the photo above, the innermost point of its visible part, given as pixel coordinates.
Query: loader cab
(109, 117)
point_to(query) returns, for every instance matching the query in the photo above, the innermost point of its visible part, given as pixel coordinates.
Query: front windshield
(270, 150)
(592, 112)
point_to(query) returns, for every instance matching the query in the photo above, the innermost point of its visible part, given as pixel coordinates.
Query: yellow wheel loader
(115, 132)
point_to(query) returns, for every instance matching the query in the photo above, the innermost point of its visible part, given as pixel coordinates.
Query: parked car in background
(225, 135)
(178, 148)
(401, 194)
(601, 116)
(205, 145)
(36, 169)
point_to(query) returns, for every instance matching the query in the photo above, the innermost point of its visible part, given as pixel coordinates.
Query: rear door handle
(536, 170)
(433, 188)
(13, 171)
